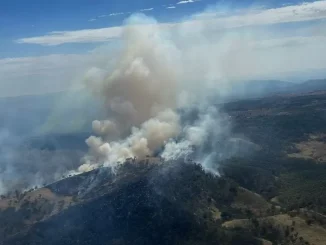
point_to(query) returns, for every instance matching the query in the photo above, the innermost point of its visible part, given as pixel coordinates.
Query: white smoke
(140, 93)
(155, 74)
(142, 142)
(144, 78)
(208, 128)
(105, 127)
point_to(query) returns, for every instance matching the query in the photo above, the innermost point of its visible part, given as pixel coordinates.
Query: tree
(225, 216)
(308, 221)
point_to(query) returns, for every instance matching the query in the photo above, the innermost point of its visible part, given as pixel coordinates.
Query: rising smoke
(140, 93)
(155, 72)
(24, 167)
(143, 93)
(147, 77)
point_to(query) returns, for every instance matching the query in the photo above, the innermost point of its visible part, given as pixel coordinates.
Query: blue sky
(20, 19)
(37, 32)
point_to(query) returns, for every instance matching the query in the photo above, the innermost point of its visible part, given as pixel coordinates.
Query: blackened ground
(164, 206)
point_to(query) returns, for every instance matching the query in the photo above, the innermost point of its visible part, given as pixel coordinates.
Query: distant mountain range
(60, 112)
(67, 112)
(262, 88)
(311, 85)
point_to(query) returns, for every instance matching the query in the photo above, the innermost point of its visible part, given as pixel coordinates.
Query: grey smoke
(153, 73)
(153, 78)
(140, 92)
(199, 139)
(23, 167)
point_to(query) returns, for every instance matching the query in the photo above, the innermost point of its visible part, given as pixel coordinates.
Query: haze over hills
(178, 122)
(312, 85)
(261, 88)
(273, 193)
(46, 137)
(45, 111)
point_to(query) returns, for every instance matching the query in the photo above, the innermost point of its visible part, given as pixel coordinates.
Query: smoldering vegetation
(181, 202)
(143, 205)
(159, 158)
(42, 137)
(27, 164)
(155, 94)
(152, 81)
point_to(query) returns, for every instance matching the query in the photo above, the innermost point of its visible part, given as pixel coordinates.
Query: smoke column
(140, 93)
(154, 76)
(145, 77)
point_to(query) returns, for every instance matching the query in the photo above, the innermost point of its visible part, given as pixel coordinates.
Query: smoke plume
(23, 167)
(148, 80)
(142, 93)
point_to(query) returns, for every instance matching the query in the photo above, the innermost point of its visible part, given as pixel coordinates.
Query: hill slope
(257, 198)
(166, 204)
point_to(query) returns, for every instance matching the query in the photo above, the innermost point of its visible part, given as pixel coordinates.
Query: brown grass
(265, 242)
(314, 234)
(246, 199)
(236, 223)
(314, 148)
(41, 199)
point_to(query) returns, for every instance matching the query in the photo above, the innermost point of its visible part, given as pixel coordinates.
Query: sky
(47, 46)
